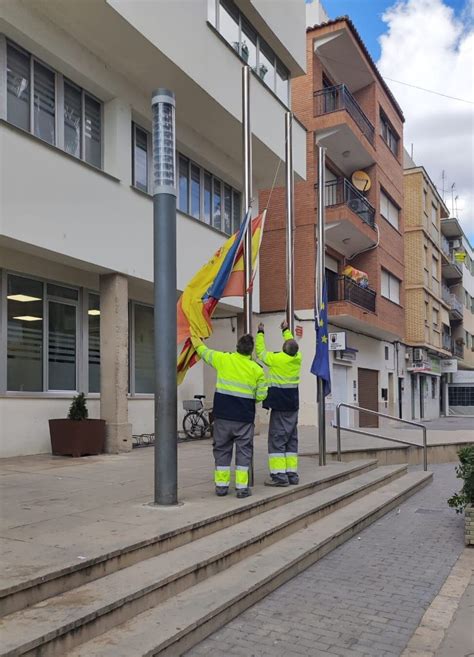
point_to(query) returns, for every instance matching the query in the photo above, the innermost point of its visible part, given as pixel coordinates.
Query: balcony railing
(458, 350)
(341, 191)
(343, 288)
(444, 246)
(333, 99)
(447, 342)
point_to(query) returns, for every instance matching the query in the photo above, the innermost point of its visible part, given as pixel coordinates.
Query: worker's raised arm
(287, 334)
(209, 356)
(260, 348)
(262, 388)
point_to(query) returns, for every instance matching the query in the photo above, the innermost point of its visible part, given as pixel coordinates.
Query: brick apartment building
(346, 107)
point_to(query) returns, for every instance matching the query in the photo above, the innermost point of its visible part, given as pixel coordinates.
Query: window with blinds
(389, 210)
(33, 104)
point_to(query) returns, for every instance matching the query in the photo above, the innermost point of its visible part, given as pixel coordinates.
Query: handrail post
(338, 431)
(425, 451)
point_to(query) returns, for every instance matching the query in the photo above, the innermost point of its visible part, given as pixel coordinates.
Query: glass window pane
(61, 346)
(63, 292)
(24, 334)
(216, 206)
(140, 159)
(266, 65)
(248, 45)
(18, 88)
(394, 290)
(282, 83)
(385, 284)
(237, 213)
(93, 131)
(207, 197)
(72, 119)
(195, 191)
(229, 23)
(44, 104)
(183, 184)
(227, 228)
(93, 315)
(144, 350)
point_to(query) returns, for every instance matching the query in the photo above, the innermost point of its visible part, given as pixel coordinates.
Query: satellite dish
(361, 181)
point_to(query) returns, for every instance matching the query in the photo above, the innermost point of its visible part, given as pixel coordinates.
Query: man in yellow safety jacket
(284, 369)
(240, 384)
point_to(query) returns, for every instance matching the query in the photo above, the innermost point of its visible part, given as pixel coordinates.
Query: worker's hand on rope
(284, 325)
(261, 327)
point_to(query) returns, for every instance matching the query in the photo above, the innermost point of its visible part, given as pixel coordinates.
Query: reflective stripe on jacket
(283, 375)
(240, 383)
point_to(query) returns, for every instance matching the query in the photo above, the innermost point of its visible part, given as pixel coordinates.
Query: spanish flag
(222, 276)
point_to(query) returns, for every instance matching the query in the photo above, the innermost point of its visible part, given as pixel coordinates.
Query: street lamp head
(164, 142)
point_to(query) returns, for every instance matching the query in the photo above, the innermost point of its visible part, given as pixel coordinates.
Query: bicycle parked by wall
(199, 419)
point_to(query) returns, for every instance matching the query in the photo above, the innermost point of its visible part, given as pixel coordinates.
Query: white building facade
(76, 258)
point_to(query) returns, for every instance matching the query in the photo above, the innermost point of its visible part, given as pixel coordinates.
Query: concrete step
(55, 625)
(191, 523)
(175, 626)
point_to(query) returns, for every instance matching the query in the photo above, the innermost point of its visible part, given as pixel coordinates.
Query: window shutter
(44, 103)
(93, 131)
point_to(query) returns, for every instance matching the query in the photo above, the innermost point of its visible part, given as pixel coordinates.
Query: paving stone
(379, 586)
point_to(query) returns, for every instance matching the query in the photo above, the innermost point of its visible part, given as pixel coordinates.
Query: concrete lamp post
(165, 283)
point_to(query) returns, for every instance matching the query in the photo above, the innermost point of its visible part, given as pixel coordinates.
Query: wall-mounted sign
(337, 341)
(449, 365)
(361, 181)
(299, 331)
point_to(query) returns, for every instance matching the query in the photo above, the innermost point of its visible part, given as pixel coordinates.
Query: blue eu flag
(320, 366)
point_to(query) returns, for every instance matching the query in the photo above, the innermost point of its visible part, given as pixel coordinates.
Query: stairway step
(188, 523)
(78, 615)
(175, 626)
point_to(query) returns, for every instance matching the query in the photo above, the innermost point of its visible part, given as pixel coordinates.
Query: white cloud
(428, 46)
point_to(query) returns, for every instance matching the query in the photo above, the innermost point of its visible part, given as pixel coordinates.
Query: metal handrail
(376, 435)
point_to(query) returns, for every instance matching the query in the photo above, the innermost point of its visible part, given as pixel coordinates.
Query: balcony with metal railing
(444, 245)
(456, 308)
(343, 288)
(342, 191)
(334, 99)
(457, 349)
(452, 268)
(447, 343)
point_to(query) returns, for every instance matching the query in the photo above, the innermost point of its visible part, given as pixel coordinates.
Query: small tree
(464, 471)
(78, 409)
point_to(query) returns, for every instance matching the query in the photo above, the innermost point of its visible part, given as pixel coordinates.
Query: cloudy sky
(429, 44)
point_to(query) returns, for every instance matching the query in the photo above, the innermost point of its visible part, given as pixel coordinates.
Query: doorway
(368, 384)
(339, 391)
(422, 396)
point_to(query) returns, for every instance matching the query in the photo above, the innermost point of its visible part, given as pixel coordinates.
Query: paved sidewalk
(366, 598)
(459, 639)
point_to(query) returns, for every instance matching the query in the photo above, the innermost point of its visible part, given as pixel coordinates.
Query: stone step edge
(247, 507)
(131, 639)
(105, 611)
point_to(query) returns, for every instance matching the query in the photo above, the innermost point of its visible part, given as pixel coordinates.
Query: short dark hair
(245, 345)
(290, 347)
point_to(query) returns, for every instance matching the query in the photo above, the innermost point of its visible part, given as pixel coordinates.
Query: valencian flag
(222, 276)
(320, 366)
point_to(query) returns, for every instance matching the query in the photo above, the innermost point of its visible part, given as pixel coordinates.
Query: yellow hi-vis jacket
(240, 383)
(283, 374)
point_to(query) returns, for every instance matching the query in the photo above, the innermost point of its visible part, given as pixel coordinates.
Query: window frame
(60, 79)
(390, 277)
(390, 202)
(132, 304)
(276, 61)
(390, 133)
(81, 375)
(136, 126)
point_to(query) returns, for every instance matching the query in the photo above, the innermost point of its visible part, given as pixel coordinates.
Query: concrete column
(118, 139)
(114, 362)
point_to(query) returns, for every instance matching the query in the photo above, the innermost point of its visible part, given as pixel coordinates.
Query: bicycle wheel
(194, 425)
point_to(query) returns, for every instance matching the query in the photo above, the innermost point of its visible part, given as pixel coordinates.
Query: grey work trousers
(226, 433)
(283, 442)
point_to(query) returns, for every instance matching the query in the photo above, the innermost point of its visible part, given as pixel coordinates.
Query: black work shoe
(281, 480)
(243, 492)
(221, 491)
(293, 478)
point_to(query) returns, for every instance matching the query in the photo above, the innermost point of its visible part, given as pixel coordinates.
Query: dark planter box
(77, 437)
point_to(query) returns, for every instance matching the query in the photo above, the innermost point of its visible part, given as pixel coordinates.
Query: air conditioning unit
(418, 355)
(357, 205)
(456, 244)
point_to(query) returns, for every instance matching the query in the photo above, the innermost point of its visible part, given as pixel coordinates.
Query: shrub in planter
(464, 500)
(77, 435)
